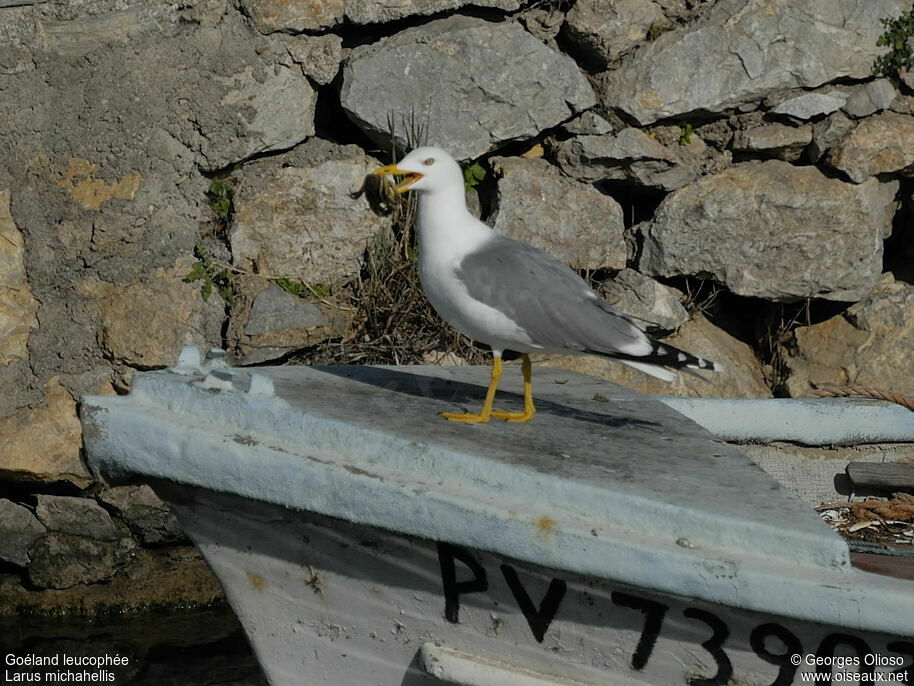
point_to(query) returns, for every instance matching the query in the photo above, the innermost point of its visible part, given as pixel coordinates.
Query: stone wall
(734, 172)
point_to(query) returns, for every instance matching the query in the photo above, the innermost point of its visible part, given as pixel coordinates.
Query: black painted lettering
(714, 646)
(827, 649)
(654, 613)
(792, 646)
(538, 619)
(453, 589)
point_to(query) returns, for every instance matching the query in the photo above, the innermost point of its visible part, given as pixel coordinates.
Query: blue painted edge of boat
(807, 421)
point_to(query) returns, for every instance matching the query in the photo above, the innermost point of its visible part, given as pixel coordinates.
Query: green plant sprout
(213, 277)
(473, 176)
(685, 134)
(898, 38)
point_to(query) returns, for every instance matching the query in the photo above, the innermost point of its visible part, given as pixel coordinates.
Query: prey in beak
(393, 170)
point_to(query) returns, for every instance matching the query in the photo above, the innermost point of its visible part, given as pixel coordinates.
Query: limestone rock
(319, 56)
(570, 220)
(545, 24)
(103, 153)
(19, 529)
(475, 84)
(272, 110)
(754, 48)
(275, 310)
(78, 516)
(656, 308)
(42, 444)
(867, 345)
(772, 230)
(869, 98)
(304, 222)
(148, 322)
(294, 15)
(630, 155)
(879, 145)
(588, 124)
(222, 91)
(742, 377)
(774, 140)
(604, 30)
(148, 517)
(827, 133)
(84, 33)
(811, 105)
(271, 322)
(17, 306)
(378, 11)
(63, 560)
(907, 77)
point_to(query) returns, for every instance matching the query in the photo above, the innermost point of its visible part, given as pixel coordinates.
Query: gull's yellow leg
(529, 410)
(486, 411)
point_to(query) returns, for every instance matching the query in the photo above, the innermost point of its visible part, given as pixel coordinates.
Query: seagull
(508, 294)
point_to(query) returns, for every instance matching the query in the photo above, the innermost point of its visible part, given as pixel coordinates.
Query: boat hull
(324, 601)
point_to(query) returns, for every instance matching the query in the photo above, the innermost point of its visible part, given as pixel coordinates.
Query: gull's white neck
(447, 230)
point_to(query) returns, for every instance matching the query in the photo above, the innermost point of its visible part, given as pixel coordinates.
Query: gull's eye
(429, 162)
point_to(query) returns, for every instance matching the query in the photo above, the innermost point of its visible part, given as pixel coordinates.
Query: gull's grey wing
(548, 300)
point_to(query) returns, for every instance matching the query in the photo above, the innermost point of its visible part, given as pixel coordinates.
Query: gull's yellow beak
(393, 170)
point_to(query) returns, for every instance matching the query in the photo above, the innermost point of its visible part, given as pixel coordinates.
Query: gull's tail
(661, 359)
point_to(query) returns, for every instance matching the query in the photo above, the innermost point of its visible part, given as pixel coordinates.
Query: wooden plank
(881, 474)
(887, 565)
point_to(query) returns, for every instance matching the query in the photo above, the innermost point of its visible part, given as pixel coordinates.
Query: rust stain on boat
(256, 581)
(546, 525)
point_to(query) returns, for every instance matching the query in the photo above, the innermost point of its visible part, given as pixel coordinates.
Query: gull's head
(427, 170)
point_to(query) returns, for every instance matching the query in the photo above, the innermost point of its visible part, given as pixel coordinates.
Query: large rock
(774, 140)
(377, 11)
(78, 516)
(752, 48)
(868, 98)
(742, 377)
(211, 83)
(570, 220)
(148, 517)
(304, 221)
(42, 444)
(17, 306)
(318, 56)
(148, 322)
(294, 15)
(772, 230)
(63, 560)
(656, 308)
(879, 145)
(828, 133)
(19, 529)
(474, 84)
(630, 155)
(604, 30)
(271, 109)
(811, 105)
(870, 344)
(269, 322)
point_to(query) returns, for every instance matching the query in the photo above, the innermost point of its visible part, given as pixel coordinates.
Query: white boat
(363, 541)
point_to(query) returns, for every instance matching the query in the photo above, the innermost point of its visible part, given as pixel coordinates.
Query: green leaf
(196, 273)
(473, 175)
(293, 286)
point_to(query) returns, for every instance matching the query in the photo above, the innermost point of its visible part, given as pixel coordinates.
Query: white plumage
(510, 295)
